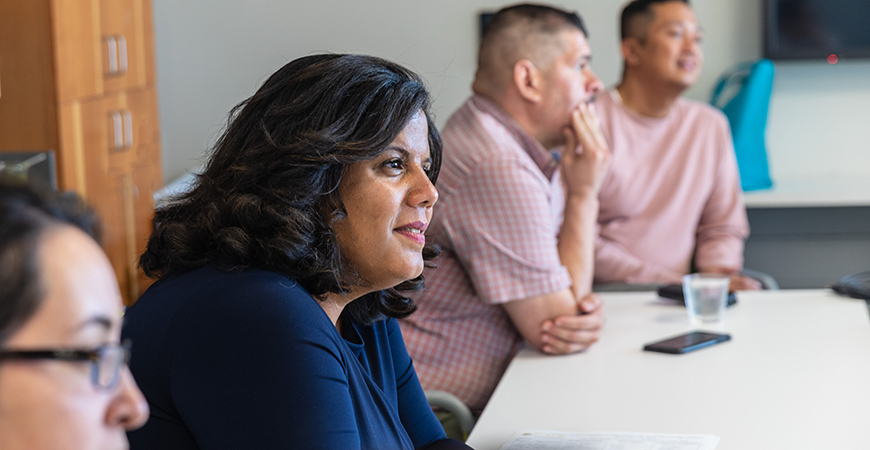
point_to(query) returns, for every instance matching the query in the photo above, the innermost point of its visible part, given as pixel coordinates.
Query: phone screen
(687, 342)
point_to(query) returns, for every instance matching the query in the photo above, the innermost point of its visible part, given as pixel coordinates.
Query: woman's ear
(528, 80)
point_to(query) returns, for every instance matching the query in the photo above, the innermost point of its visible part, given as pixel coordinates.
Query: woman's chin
(418, 270)
(410, 274)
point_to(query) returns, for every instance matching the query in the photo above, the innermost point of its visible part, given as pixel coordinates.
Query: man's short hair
(637, 15)
(514, 32)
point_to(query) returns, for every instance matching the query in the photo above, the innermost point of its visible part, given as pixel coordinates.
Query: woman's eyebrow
(403, 152)
(100, 321)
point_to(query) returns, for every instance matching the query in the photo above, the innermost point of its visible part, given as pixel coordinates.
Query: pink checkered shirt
(497, 220)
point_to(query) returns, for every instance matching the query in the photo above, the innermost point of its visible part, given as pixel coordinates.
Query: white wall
(211, 54)
(819, 123)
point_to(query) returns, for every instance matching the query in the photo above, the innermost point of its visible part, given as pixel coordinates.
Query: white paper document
(548, 440)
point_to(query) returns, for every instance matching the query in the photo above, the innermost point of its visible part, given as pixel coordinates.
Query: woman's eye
(394, 164)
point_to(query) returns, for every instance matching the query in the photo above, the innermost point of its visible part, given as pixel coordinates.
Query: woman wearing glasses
(64, 382)
(281, 274)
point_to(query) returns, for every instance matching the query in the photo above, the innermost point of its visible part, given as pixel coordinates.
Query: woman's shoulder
(382, 336)
(216, 295)
(224, 280)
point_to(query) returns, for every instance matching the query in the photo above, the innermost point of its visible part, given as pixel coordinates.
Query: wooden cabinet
(77, 76)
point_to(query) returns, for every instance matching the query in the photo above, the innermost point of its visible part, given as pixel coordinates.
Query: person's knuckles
(565, 335)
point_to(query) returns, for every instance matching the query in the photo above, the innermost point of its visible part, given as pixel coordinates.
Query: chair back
(743, 94)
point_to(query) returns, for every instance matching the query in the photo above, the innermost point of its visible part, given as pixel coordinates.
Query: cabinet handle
(128, 128)
(112, 46)
(122, 54)
(118, 128)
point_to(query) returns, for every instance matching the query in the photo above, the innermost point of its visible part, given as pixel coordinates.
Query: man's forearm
(615, 264)
(577, 241)
(720, 245)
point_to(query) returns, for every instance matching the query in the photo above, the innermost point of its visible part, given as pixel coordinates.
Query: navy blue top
(250, 360)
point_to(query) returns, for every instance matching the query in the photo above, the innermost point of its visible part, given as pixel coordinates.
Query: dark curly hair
(268, 192)
(25, 215)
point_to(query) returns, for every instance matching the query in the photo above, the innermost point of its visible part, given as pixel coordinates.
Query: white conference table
(796, 375)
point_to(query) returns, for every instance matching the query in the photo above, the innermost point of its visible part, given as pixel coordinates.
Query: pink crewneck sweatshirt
(672, 194)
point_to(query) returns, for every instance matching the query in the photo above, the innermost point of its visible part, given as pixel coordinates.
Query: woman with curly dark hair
(281, 274)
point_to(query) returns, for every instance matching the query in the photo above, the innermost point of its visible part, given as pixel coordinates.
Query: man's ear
(630, 49)
(528, 80)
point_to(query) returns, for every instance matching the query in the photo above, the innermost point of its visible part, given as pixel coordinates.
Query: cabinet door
(147, 173)
(100, 46)
(27, 87)
(147, 178)
(78, 50)
(123, 40)
(118, 183)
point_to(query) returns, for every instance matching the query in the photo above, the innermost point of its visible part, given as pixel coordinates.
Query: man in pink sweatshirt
(671, 202)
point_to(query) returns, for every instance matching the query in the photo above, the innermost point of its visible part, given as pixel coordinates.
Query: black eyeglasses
(106, 360)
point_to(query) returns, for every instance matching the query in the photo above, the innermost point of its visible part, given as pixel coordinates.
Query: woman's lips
(413, 231)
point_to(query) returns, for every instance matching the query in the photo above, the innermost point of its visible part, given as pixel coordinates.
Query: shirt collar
(546, 160)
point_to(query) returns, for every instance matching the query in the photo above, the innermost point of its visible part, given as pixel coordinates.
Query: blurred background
(211, 54)
(126, 96)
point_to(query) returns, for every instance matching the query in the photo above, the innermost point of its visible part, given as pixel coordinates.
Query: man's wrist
(584, 199)
(719, 269)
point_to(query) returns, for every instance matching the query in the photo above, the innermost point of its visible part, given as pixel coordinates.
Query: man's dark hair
(546, 18)
(524, 31)
(269, 191)
(637, 15)
(25, 216)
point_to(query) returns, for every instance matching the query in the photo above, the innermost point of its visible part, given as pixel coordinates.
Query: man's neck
(646, 99)
(521, 113)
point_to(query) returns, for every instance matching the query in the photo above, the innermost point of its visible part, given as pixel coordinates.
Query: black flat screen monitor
(817, 29)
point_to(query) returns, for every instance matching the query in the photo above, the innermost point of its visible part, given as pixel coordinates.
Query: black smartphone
(686, 343)
(675, 292)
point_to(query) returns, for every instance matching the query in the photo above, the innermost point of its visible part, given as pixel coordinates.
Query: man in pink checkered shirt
(517, 237)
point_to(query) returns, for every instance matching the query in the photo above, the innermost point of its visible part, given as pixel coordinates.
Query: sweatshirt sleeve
(723, 226)
(614, 263)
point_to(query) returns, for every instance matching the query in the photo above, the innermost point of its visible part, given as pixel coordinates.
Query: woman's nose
(128, 408)
(423, 192)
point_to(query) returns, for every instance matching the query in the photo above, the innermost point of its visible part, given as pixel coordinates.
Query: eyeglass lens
(108, 366)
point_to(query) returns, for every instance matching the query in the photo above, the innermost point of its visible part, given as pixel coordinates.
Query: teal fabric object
(743, 94)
